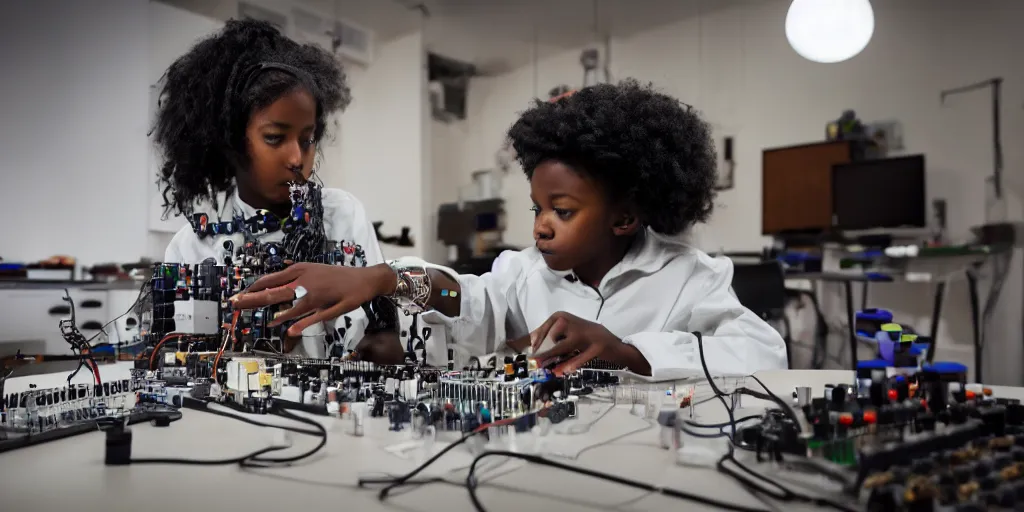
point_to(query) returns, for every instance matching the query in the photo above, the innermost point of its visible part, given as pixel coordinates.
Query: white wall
(736, 66)
(73, 148)
(381, 149)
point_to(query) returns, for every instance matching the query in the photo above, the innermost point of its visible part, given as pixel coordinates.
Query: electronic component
(197, 316)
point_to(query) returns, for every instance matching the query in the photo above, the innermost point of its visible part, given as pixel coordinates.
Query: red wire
(156, 349)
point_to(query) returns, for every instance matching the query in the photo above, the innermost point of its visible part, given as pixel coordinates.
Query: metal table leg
(972, 289)
(940, 294)
(851, 319)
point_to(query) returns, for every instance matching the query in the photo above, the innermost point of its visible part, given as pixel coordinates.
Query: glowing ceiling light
(829, 31)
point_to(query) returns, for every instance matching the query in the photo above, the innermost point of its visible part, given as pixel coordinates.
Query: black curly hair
(203, 109)
(644, 147)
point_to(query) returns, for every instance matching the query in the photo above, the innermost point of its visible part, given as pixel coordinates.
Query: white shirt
(653, 299)
(344, 220)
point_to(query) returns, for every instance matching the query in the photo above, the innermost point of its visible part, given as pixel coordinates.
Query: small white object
(896, 251)
(913, 251)
(300, 291)
(334, 409)
(829, 31)
(291, 393)
(307, 397)
(358, 416)
(196, 316)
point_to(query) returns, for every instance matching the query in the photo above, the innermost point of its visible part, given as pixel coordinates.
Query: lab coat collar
(647, 255)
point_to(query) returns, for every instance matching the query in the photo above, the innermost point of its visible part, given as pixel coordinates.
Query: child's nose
(541, 230)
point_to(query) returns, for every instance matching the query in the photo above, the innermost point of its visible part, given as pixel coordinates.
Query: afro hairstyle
(644, 147)
(203, 113)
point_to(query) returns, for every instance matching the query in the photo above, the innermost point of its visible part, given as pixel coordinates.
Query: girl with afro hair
(239, 122)
(615, 172)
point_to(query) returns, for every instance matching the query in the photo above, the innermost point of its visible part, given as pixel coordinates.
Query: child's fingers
(320, 316)
(554, 327)
(539, 334)
(566, 346)
(276, 279)
(300, 308)
(575, 363)
(249, 300)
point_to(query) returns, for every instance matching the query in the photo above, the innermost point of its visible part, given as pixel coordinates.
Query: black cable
(393, 483)
(784, 494)
(471, 481)
(269, 462)
(723, 424)
(103, 329)
(252, 459)
(714, 387)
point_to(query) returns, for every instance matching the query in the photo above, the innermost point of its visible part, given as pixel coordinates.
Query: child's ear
(627, 224)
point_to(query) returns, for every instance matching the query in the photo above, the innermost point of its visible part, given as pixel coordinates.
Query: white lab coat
(653, 299)
(344, 220)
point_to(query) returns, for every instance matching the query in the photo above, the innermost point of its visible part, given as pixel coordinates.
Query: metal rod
(995, 84)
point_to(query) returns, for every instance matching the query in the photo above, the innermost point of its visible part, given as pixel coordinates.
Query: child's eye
(535, 209)
(273, 140)
(563, 214)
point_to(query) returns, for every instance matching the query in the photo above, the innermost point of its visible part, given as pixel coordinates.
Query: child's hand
(571, 333)
(323, 292)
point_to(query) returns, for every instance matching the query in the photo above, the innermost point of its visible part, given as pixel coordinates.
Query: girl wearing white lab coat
(240, 118)
(615, 171)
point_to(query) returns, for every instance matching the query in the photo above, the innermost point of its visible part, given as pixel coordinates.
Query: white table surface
(65, 474)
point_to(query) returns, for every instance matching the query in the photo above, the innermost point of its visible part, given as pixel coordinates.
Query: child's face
(281, 147)
(574, 221)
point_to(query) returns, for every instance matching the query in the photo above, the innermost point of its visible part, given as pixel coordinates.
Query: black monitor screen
(884, 193)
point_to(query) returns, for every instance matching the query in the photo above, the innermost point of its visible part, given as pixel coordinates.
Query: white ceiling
(496, 35)
(510, 33)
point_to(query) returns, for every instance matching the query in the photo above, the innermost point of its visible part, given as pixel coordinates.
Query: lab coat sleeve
(174, 253)
(489, 310)
(735, 341)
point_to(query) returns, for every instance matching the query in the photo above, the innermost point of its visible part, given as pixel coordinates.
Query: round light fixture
(829, 31)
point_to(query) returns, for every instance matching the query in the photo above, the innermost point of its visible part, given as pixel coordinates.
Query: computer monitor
(883, 193)
(796, 186)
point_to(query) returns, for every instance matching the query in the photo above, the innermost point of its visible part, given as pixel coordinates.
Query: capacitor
(510, 373)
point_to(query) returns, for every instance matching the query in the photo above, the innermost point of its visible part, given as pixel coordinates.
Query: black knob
(1002, 461)
(990, 498)
(923, 467)
(1017, 453)
(962, 474)
(970, 507)
(1007, 497)
(119, 446)
(899, 474)
(982, 468)
(989, 482)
